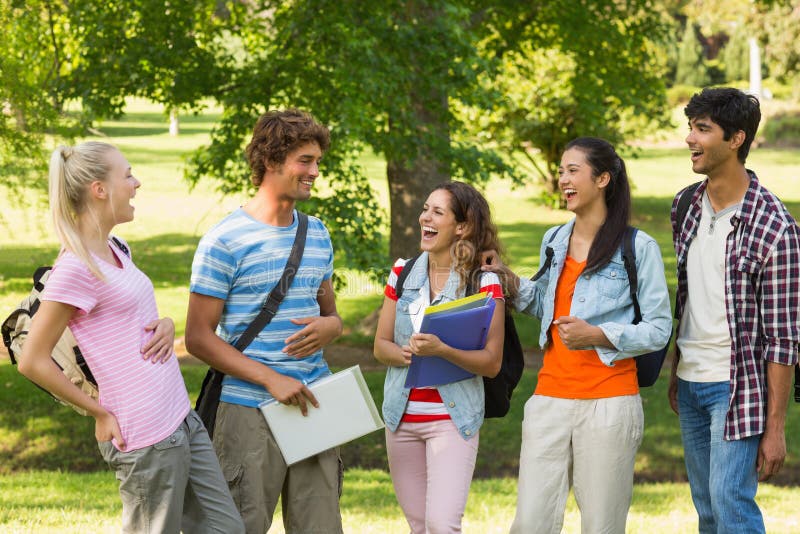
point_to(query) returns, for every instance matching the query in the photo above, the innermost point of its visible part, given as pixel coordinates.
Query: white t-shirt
(704, 338)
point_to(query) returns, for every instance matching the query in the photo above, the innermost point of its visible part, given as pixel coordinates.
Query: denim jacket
(602, 298)
(463, 399)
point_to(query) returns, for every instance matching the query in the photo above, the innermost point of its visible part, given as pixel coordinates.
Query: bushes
(782, 129)
(679, 95)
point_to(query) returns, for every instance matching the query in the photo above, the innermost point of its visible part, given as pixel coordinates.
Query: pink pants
(431, 467)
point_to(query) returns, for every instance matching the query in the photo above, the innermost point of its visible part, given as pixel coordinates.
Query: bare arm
(385, 349)
(202, 341)
(484, 362)
(772, 449)
(46, 328)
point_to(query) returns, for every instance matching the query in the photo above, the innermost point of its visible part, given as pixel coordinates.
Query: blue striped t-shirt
(239, 261)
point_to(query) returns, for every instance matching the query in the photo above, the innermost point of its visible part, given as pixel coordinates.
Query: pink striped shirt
(148, 400)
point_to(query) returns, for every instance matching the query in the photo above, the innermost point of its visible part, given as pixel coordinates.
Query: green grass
(65, 503)
(36, 433)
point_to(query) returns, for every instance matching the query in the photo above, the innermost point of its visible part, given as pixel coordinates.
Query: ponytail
(72, 170)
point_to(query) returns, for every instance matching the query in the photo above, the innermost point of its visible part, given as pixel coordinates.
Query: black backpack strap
(797, 383)
(401, 278)
(273, 300)
(683, 203)
(117, 241)
(549, 255)
(629, 259)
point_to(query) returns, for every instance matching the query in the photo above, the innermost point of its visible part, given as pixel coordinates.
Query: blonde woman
(169, 476)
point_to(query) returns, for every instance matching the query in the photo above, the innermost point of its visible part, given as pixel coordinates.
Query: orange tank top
(579, 374)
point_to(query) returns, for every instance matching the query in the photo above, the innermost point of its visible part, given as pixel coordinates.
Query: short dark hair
(732, 109)
(278, 132)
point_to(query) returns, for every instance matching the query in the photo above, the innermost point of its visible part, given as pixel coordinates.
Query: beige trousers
(257, 476)
(589, 444)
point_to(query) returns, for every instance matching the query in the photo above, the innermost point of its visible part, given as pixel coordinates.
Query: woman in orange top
(583, 425)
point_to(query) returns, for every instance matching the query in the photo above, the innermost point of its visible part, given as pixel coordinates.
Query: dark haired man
(236, 265)
(738, 307)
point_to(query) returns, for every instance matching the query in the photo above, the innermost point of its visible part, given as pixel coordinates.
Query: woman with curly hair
(432, 432)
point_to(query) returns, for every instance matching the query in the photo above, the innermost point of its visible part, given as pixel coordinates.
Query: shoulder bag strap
(270, 307)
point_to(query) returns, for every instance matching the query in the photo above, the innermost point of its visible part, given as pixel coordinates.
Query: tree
(581, 84)
(30, 99)
(413, 81)
(410, 80)
(736, 56)
(778, 27)
(93, 55)
(692, 69)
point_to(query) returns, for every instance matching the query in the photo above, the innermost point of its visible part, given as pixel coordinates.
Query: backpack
(66, 352)
(497, 391)
(648, 366)
(680, 213)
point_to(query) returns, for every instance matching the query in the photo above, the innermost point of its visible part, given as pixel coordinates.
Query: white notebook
(346, 412)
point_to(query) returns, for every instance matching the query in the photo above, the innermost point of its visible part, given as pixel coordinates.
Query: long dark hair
(602, 157)
(470, 207)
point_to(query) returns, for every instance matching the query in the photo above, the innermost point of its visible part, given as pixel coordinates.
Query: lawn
(51, 474)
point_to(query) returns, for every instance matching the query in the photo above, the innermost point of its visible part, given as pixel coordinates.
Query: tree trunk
(174, 124)
(413, 171)
(410, 182)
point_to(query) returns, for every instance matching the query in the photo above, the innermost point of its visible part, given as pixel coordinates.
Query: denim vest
(464, 399)
(602, 298)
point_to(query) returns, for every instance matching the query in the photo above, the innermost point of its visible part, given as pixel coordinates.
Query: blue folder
(461, 329)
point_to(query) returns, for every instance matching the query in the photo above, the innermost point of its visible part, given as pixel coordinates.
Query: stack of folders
(462, 324)
(346, 412)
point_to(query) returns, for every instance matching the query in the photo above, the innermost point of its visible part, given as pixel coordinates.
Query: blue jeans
(722, 474)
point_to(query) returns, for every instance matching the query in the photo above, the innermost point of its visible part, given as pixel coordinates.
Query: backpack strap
(796, 382)
(549, 255)
(273, 300)
(120, 245)
(401, 278)
(629, 259)
(683, 203)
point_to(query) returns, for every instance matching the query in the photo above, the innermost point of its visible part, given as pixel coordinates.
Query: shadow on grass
(165, 258)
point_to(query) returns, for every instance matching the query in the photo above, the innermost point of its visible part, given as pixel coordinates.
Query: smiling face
(710, 152)
(121, 187)
(438, 223)
(580, 188)
(293, 179)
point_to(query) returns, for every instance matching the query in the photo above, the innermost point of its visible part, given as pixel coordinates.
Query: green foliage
(605, 79)
(30, 103)
(736, 56)
(778, 26)
(692, 69)
(679, 95)
(782, 129)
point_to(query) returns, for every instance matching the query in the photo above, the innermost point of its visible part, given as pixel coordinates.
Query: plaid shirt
(762, 296)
